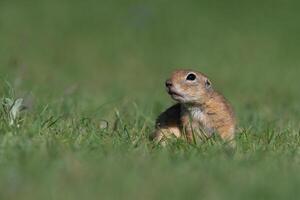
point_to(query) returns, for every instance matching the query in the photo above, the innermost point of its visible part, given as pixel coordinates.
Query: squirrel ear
(208, 85)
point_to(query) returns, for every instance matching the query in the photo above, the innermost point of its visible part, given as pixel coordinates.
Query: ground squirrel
(200, 111)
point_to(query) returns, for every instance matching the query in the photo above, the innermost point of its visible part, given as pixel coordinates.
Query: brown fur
(200, 110)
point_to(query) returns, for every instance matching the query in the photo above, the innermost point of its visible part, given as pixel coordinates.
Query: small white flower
(13, 109)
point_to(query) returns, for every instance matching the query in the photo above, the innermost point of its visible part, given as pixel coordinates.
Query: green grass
(78, 64)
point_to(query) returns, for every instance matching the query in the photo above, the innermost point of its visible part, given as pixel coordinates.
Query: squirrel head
(189, 87)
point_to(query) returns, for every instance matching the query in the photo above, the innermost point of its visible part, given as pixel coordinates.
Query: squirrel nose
(168, 83)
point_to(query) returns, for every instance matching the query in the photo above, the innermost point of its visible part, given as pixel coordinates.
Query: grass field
(78, 64)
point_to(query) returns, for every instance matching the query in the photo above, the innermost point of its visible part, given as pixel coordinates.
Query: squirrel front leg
(187, 128)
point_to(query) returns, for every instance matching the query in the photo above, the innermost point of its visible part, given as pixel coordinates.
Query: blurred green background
(128, 48)
(108, 57)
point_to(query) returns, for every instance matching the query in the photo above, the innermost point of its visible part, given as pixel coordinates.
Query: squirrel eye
(191, 77)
